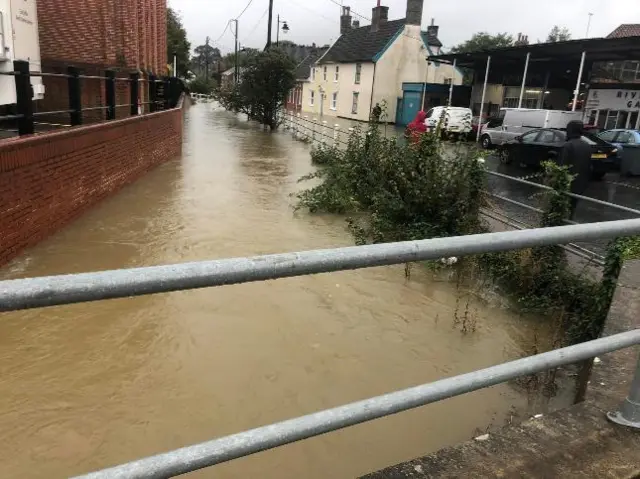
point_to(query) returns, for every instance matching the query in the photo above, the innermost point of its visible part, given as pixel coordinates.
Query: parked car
(476, 123)
(628, 144)
(517, 121)
(491, 133)
(539, 145)
(456, 120)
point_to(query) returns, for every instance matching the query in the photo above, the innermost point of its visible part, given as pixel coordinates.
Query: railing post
(628, 414)
(110, 94)
(24, 94)
(134, 79)
(75, 96)
(153, 94)
(167, 93)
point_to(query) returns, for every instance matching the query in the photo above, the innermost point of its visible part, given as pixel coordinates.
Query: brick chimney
(379, 15)
(432, 30)
(414, 12)
(356, 24)
(345, 20)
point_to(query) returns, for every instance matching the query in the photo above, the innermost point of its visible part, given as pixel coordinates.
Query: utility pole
(236, 35)
(206, 59)
(269, 25)
(278, 32)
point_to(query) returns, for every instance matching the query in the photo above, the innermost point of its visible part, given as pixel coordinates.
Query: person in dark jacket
(576, 154)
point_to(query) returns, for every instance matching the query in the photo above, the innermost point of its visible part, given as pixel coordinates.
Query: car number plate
(599, 156)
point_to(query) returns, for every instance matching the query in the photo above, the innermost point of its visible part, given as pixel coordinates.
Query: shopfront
(611, 107)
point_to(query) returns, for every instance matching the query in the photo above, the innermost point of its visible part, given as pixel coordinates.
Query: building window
(313, 74)
(312, 97)
(334, 101)
(354, 107)
(358, 73)
(337, 75)
(324, 73)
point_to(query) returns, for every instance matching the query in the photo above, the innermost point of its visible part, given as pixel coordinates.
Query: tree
(558, 34)
(265, 83)
(205, 59)
(484, 41)
(203, 85)
(177, 43)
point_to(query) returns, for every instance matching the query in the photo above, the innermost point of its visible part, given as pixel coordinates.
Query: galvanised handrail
(47, 291)
(76, 288)
(217, 451)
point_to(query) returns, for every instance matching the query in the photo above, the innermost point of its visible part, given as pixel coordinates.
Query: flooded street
(92, 385)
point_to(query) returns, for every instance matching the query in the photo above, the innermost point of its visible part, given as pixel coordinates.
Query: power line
(223, 32)
(311, 10)
(253, 29)
(245, 9)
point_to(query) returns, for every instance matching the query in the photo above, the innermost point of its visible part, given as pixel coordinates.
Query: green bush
(411, 191)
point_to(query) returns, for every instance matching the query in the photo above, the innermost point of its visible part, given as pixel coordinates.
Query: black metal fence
(161, 93)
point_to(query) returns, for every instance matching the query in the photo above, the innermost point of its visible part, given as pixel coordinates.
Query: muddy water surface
(91, 385)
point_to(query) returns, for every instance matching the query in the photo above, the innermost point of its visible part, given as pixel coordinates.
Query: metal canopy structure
(550, 65)
(549, 54)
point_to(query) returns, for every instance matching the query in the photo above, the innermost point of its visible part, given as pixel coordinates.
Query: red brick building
(94, 35)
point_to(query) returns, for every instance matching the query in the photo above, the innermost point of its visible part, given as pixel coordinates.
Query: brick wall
(107, 33)
(48, 180)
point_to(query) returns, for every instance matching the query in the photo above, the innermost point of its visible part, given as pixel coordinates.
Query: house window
(334, 101)
(354, 107)
(358, 73)
(312, 97)
(337, 75)
(324, 75)
(313, 74)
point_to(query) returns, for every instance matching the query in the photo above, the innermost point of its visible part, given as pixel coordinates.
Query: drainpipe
(373, 84)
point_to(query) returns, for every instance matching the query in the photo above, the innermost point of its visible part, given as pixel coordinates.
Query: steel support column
(524, 79)
(484, 92)
(577, 90)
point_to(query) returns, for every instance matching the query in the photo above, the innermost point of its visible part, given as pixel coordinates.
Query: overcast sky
(318, 21)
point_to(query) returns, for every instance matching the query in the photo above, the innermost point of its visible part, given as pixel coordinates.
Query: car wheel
(485, 141)
(505, 156)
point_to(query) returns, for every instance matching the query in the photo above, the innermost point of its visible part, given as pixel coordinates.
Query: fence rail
(67, 289)
(163, 93)
(231, 447)
(75, 288)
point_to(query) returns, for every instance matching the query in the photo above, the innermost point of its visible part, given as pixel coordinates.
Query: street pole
(278, 32)
(269, 24)
(589, 25)
(236, 35)
(175, 65)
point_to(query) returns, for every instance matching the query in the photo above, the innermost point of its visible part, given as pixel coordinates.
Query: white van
(517, 121)
(456, 120)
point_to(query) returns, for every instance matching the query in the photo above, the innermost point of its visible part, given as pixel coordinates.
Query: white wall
(344, 87)
(405, 61)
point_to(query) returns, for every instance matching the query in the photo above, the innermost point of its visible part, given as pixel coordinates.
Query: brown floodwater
(91, 385)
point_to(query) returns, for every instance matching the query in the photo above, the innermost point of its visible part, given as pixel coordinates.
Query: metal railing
(67, 289)
(163, 93)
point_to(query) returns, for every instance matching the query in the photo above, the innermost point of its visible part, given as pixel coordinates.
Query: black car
(536, 146)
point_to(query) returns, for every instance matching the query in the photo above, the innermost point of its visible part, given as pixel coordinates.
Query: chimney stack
(414, 12)
(356, 24)
(433, 29)
(379, 15)
(345, 20)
